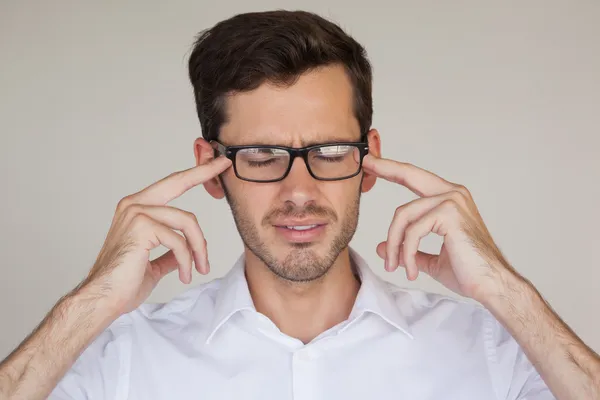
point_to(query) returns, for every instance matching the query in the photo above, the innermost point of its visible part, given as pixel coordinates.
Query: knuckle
(191, 217)
(449, 205)
(463, 191)
(457, 197)
(129, 205)
(124, 203)
(140, 221)
(133, 211)
(182, 244)
(134, 208)
(399, 210)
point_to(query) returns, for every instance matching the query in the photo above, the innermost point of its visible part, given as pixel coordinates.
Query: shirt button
(306, 355)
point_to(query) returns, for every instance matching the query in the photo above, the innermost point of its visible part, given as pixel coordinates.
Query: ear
(374, 142)
(204, 152)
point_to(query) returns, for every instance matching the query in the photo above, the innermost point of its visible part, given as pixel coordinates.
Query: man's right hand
(123, 276)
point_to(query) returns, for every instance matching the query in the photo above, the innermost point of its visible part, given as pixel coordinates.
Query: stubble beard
(302, 263)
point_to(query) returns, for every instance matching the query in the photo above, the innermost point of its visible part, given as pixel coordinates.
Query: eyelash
(266, 163)
(330, 159)
(261, 163)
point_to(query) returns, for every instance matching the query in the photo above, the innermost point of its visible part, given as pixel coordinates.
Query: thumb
(165, 263)
(381, 249)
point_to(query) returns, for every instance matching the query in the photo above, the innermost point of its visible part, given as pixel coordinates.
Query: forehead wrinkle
(304, 142)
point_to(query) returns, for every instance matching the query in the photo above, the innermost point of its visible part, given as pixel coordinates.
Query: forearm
(569, 367)
(37, 365)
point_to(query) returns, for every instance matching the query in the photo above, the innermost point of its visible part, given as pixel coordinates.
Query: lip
(297, 222)
(303, 236)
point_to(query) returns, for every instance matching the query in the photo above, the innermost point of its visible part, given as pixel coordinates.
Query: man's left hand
(469, 262)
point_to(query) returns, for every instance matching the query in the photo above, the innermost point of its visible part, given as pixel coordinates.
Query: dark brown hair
(244, 51)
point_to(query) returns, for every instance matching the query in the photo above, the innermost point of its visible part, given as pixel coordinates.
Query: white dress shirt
(211, 343)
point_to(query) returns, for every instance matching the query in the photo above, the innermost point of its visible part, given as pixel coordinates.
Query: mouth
(300, 232)
(299, 227)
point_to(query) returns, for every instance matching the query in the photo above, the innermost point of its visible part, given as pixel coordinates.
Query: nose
(299, 187)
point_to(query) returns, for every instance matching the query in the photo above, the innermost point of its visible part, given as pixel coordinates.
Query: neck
(303, 310)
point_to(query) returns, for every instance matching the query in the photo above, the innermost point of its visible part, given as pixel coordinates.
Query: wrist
(91, 297)
(36, 366)
(509, 289)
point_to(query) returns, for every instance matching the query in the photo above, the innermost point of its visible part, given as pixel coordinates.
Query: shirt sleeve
(99, 371)
(514, 375)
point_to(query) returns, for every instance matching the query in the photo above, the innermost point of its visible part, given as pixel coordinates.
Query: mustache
(291, 211)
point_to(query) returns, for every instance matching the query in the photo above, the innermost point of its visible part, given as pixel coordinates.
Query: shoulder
(441, 321)
(418, 303)
(473, 332)
(108, 358)
(182, 306)
(194, 305)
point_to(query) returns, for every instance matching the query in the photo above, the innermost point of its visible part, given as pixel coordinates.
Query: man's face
(317, 109)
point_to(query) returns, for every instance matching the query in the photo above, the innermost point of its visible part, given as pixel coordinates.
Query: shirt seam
(394, 289)
(172, 306)
(490, 350)
(123, 328)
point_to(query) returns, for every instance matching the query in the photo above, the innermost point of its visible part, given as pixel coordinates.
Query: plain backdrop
(501, 96)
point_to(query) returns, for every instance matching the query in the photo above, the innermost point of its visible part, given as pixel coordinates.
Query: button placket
(304, 372)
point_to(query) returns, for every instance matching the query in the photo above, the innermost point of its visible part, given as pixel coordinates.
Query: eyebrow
(304, 143)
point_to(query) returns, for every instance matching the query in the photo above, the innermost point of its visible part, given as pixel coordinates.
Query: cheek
(342, 195)
(257, 199)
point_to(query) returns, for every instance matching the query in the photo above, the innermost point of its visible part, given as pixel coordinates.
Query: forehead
(317, 108)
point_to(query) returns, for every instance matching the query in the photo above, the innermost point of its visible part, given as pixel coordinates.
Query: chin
(300, 262)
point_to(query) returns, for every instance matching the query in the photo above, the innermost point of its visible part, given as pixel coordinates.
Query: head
(288, 79)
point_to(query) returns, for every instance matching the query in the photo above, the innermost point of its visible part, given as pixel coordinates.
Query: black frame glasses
(231, 151)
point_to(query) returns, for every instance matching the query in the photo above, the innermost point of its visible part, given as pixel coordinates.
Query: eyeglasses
(325, 162)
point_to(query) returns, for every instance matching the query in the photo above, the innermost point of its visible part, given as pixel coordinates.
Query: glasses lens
(334, 161)
(262, 164)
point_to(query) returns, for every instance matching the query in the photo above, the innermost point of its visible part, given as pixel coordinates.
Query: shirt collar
(374, 296)
(233, 296)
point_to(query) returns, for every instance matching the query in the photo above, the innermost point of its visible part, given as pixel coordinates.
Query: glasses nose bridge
(298, 153)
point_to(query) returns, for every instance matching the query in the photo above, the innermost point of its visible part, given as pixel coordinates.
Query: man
(284, 100)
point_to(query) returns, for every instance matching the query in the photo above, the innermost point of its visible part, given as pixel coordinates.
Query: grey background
(503, 97)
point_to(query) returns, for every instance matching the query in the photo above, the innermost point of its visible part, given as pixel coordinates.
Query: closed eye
(259, 164)
(331, 159)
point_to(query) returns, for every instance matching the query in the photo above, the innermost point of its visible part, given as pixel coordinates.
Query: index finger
(418, 180)
(176, 184)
